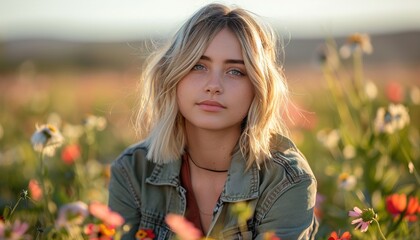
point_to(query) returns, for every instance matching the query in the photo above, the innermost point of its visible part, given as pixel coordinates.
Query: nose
(214, 84)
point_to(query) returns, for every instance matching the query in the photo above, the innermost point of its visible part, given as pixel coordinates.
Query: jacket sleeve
(122, 198)
(291, 213)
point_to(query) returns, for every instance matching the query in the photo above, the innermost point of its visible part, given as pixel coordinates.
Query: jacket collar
(240, 185)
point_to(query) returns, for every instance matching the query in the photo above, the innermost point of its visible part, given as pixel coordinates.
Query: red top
(192, 213)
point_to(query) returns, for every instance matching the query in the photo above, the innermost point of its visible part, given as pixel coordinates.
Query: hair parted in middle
(159, 122)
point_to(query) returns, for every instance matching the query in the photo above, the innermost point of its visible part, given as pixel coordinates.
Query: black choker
(207, 169)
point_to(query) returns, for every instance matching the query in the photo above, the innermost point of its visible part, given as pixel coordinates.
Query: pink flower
(103, 213)
(35, 190)
(364, 218)
(13, 231)
(184, 229)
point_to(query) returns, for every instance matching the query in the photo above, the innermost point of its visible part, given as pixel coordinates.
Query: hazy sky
(130, 19)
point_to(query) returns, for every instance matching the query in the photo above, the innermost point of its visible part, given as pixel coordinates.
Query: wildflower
(371, 90)
(329, 138)
(35, 190)
(270, 236)
(346, 181)
(394, 92)
(349, 152)
(364, 218)
(397, 204)
(243, 211)
(320, 199)
(356, 42)
(72, 214)
(94, 122)
(15, 231)
(72, 132)
(92, 230)
(103, 213)
(389, 120)
(328, 56)
(182, 227)
(145, 234)
(335, 236)
(411, 167)
(46, 139)
(70, 153)
(106, 231)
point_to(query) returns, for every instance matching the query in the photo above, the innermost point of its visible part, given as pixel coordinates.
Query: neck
(204, 168)
(211, 149)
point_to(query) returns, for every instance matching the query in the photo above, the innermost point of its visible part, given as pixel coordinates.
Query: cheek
(183, 95)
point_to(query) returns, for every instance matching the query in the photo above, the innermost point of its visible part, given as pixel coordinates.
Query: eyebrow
(235, 61)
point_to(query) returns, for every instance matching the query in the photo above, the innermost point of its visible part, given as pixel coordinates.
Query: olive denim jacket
(281, 195)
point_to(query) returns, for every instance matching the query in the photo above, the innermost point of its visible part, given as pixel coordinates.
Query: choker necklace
(207, 169)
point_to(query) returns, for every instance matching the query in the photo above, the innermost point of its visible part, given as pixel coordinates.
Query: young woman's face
(217, 93)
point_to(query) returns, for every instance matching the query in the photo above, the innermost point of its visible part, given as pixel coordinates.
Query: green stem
(379, 228)
(44, 189)
(342, 108)
(14, 207)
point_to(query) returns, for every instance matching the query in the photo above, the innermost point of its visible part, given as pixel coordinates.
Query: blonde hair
(159, 121)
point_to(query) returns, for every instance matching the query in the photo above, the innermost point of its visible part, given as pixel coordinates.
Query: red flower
(344, 236)
(397, 204)
(70, 153)
(394, 92)
(35, 190)
(145, 234)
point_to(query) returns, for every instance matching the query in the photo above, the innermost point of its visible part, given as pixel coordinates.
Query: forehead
(225, 43)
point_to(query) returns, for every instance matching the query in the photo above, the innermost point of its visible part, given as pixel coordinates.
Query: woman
(210, 119)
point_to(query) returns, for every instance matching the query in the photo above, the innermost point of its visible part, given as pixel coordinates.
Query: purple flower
(363, 218)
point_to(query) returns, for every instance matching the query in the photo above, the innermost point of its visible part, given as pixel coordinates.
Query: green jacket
(281, 195)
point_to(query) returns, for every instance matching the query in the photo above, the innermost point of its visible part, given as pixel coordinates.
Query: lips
(211, 106)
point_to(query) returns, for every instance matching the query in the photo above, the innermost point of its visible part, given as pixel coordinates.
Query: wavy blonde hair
(158, 120)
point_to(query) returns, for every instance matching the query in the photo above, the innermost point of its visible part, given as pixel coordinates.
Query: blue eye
(198, 67)
(236, 72)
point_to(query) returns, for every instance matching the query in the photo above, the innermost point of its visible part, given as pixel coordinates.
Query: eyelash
(234, 72)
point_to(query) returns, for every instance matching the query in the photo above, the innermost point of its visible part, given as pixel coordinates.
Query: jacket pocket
(235, 234)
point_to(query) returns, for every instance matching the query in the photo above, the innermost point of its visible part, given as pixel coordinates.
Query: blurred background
(85, 56)
(61, 61)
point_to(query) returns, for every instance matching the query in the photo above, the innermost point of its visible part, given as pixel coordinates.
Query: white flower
(329, 138)
(389, 120)
(72, 132)
(94, 122)
(46, 139)
(349, 152)
(356, 42)
(346, 181)
(371, 90)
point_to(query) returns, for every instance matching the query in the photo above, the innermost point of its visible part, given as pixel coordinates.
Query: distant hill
(401, 48)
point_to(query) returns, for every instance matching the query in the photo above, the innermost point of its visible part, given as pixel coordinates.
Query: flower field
(60, 130)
